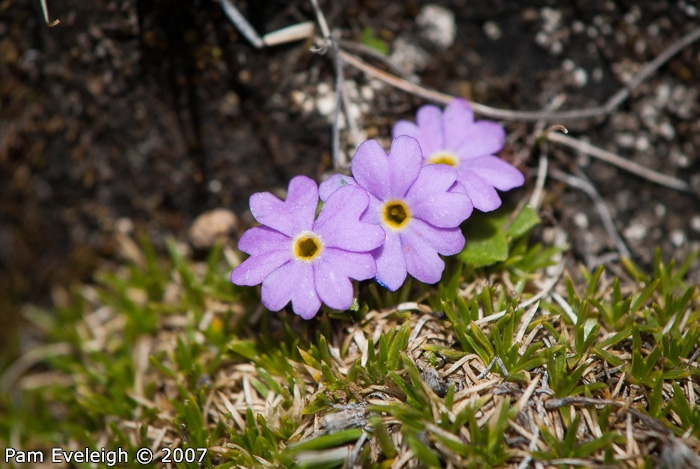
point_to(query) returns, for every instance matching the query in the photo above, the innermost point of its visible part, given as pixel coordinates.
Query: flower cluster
(398, 213)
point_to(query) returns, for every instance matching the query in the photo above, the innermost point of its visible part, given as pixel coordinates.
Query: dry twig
(580, 182)
(45, 10)
(506, 114)
(627, 165)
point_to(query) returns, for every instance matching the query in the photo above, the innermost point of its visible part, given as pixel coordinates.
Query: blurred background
(136, 116)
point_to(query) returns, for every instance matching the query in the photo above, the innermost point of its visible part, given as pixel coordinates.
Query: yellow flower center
(395, 214)
(307, 246)
(444, 157)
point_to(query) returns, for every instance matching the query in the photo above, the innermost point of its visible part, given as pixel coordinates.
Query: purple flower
(419, 207)
(305, 260)
(454, 138)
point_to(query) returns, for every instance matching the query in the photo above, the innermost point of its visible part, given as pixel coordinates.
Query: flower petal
(483, 195)
(430, 199)
(292, 282)
(404, 127)
(422, 261)
(500, 174)
(333, 183)
(261, 240)
(256, 269)
(339, 221)
(446, 241)
(371, 169)
(405, 161)
(429, 120)
(333, 272)
(391, 265)
(292, 216)
(457, 118)
(482, 138)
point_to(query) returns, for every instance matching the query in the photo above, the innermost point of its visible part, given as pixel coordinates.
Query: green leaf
(331, 440)
(488, 234)
(486, 243)
(526, 220)
(369, 38)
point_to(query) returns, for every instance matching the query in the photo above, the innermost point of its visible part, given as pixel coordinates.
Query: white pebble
(492, 31)
(409, 56)
(581, 220)
(642, 143)
(597, 74)
(215, 186)
(635, 232)
(556, 48)
(677, 238)
(625, 140)
(551, 19)
(580, 77)
(438, 25)
(666, 130)
(660, 210)
(695, 223)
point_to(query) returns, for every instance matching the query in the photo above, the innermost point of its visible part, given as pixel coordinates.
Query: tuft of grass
(501, 364)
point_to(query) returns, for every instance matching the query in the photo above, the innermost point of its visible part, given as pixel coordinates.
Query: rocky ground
(142, 114)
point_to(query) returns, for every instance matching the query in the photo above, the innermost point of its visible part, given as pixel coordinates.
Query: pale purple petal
(278, 287)
(333, 183)
(372, 214)
(292, 282)
(429, 120)
(405, 159)
(333, 272)
(500, 174)
(292, 216)
(391, 264)
(482, 138)
(430, 200)
(457, 118)
(261, 239)
(305, 300)
(404, 127)
(371, 169)
(339, 224)
(446, 241)
(483, 195)
(256, 268)
(422, 261)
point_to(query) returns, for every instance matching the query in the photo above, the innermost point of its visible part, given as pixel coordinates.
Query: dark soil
(149, 112)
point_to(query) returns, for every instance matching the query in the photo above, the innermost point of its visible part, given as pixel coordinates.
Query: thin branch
(322, 23)
(242, 24)
(627, 165)
(543, 165)
(339, 160)
(580, 183)
(359, 48)
(45, 9)
(505, 114)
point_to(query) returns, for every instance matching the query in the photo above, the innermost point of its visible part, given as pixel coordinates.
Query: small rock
(409, 56)
(581, 220)
(492, 30)
(434, 381)
(211, 227)
(438, 25)
(625, 140)
(677, 238)
(636, 231)
(695, 223)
